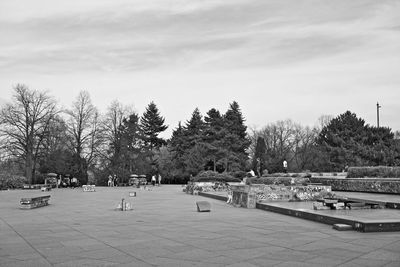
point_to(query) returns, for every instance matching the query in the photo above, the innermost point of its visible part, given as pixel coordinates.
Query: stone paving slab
(164, 229)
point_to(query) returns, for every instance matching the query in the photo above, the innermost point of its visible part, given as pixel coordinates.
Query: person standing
(285, 165)
(109, 180)
(115, 180)
(159, 179)
(153, 180)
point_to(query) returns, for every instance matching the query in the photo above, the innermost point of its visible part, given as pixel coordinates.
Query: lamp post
(377, 113)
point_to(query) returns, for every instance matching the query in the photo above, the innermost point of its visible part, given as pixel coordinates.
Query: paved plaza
(164, 229)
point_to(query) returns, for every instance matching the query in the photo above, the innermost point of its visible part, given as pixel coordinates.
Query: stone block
(203, 206)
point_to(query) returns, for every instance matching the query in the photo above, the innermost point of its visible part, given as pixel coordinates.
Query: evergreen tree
(152, 124)
(212, 140)
(236, 141)
(177, 146)
(192, 143)
(194, 129)
(183, 142)
(341, 138)
(349, 142)
(131, 141)
(380, 146)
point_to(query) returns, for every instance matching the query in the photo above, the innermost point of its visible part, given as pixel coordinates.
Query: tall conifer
(152, 124)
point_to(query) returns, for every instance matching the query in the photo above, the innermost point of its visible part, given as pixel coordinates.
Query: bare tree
(85, 133)
(286, 140)
(24, 125)
(305, 138)
(323, 121)
(112, 126)
(113, 120)
(56, 139)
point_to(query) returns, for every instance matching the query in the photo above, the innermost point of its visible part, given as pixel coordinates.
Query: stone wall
(248, 195)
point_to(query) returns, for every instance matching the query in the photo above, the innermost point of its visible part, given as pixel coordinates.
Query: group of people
(112, 180)
(66, 182)
(156, 180)
(251, 173)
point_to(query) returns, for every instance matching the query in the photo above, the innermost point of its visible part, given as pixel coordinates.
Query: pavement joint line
(85, 234)
(356, 257)
(185, 260)
(37, 251)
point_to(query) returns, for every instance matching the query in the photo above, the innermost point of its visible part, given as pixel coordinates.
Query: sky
(279, 59)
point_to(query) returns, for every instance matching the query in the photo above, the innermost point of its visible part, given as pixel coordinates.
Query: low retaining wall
(370, 185)
(196, 187)
(248, 195)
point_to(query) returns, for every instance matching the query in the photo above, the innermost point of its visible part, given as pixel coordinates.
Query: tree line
(333, 145)
(38, 137)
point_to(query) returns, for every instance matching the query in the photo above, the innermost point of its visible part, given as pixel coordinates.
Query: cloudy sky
(279, 59)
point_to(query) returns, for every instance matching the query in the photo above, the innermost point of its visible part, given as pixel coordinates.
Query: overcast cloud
(280, 59)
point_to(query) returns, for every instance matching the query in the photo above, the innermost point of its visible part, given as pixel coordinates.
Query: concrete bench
(203, 206)
(34, 202)
(89, 188)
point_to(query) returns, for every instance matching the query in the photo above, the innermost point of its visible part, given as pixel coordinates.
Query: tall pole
(377, 113)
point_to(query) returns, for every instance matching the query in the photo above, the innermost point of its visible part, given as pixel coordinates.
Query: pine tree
(236, 141)
(177, 141)
(347, 141)
(177, 147)
(194, 127)
(213, 136)
(185, 142)
(152, 124)
(132, 143)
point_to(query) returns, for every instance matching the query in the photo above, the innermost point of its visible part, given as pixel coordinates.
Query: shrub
(10, 181)
(373, 172)
(211, 176)
(270, 180)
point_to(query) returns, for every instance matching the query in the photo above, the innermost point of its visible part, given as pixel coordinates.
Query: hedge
(211, 176)
(10, 181)
(372, 185)
(292, 175)
(278, 180)
(373, 172)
